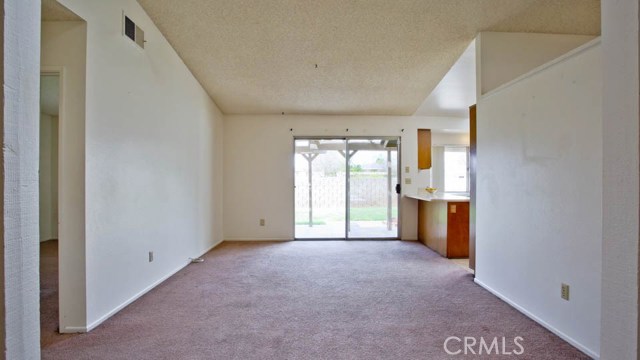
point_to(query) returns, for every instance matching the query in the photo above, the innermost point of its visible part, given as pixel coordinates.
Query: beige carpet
(312, 300)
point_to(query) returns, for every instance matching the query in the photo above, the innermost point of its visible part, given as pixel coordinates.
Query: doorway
(48, 205)
(347, 188)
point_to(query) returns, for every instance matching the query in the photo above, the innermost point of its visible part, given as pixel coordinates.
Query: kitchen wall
(153, 160)
(258, 165)
(539, 195)
(440, 141)
(439, 138)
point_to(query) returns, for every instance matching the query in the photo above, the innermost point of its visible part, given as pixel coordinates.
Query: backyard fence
(368, 189)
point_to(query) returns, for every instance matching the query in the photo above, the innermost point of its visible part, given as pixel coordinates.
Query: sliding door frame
(348, 185)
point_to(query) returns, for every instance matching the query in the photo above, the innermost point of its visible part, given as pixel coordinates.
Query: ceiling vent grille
(132, 31)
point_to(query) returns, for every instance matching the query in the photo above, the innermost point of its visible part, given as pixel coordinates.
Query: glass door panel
(372, 178)
(320, 188)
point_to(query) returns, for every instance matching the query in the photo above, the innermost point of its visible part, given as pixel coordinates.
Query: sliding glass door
(320, 183)
(372, 178)
(345, 188)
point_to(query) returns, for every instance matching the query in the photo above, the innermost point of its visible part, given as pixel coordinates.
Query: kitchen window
(456, 169)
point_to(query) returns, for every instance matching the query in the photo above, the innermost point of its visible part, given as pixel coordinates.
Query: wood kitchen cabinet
(424, 149)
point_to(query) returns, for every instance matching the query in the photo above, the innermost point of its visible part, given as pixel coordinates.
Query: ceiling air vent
(132, 31)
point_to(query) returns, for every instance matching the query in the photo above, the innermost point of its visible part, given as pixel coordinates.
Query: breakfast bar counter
(443, 223)
(425, 196)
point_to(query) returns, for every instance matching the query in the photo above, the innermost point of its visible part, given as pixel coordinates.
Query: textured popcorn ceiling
(379, 57)
(53, 11)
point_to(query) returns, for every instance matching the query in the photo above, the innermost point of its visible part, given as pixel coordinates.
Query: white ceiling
(376, 57)
(373, 57)
(456, 91)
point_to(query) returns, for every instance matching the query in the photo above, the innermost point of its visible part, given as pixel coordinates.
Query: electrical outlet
(407, 181)
(150, 256)
(564, 291)
(262, 222)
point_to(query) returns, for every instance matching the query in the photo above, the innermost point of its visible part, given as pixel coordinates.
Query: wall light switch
(407, 169)
(262, 222)
(407, 181)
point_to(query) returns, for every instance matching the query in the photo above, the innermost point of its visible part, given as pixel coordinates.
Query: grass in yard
(371, 214)
(322, 216)
(306, 222)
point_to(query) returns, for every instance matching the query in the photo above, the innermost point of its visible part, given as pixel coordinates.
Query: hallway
(311, 300)
(49, 295)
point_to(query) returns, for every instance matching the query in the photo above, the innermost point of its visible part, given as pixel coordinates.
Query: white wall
(448, 138)
(19, 300)
(502, 57)
(539, 198)
(48, 177)
(153, 159)
(258, 166)
(64, 48)
(437, 168)
(621, 114)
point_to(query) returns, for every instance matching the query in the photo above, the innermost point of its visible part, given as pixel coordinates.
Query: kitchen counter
(443, 222)
(425, 196)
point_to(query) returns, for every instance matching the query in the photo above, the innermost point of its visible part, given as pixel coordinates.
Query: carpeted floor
(312, 300)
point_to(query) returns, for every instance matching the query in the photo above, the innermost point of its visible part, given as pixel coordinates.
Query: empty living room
(331, 179)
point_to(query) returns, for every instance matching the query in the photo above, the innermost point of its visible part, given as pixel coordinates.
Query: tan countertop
(425, 196)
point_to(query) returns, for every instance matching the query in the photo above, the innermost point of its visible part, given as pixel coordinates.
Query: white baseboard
(73, 329)
(94, 324)
(258, 239)
(533, 317)
(210, 248)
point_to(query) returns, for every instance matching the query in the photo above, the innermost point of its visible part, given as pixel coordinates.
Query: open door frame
(472, 186)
